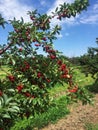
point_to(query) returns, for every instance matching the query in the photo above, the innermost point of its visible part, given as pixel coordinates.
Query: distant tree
(75, 60)
(89, 61)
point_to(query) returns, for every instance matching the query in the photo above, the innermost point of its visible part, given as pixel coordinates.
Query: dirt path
(77, 118)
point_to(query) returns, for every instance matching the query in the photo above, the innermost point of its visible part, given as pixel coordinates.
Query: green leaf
(11, 90)
(8, 101)
(12, 110)
(35, 101)
(56, 9)
(16, 108)
(7, 116)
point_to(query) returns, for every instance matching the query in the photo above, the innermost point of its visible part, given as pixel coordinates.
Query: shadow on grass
(93, 87)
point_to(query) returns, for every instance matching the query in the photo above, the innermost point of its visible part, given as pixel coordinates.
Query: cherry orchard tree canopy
(32, 74)
(27, 38)
(65, 10)
(27, 66)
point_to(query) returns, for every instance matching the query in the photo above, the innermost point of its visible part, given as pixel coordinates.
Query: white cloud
(13, 8)
(90, 16)
(92, 19)
(95, 6)
(43, 2)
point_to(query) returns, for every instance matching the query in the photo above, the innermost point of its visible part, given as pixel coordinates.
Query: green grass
(58, 90)
(81, 79)
(90, 126)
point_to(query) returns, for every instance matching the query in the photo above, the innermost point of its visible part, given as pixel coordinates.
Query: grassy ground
(90, 126)
(58, 90)
(80, 77)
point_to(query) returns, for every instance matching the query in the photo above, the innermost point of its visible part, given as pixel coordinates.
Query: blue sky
(77, 33)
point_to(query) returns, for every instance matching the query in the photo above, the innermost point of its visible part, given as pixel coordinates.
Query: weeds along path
(80, 115)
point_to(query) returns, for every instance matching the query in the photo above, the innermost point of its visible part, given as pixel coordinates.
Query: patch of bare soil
(79, 116)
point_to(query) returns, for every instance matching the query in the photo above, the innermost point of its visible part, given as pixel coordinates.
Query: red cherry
(1, 129)
(34, 40)
(63, 66)
(51, 51)
(52, 57)
(65, 71)
(47, 47)
(32, 96)
(32, 17)
(39, 74)
(44, 39)
(27, 94)
(59, 62)
(37, 45)
(73, 90)
(19, 88)
(11, 78)
(20, 49)
(48, 80)
(1, 93)
(63, 76)
(27, 66)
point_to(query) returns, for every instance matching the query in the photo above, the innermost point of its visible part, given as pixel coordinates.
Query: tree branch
(4, 49)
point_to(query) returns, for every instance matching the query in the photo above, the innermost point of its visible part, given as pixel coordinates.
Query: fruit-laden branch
(4, 49)
(65, 11)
